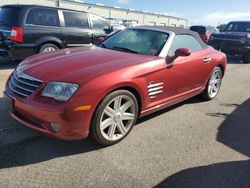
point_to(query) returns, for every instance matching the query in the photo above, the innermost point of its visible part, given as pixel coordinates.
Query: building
(115, 14)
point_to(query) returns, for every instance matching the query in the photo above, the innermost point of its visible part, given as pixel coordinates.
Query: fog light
(55, 127)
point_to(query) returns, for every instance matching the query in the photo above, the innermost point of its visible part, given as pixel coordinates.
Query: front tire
(114, 118)
(213, 85)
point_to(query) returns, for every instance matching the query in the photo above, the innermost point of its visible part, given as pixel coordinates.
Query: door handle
(207, 60)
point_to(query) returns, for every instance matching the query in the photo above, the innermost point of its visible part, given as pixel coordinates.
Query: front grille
(227, 39)
(23, 84)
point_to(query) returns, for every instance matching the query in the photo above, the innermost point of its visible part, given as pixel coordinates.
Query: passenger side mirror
(181, 52)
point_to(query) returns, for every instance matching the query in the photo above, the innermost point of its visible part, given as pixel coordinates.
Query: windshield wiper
(124, 49)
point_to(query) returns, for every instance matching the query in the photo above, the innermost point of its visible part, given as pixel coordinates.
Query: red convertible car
(102, 90)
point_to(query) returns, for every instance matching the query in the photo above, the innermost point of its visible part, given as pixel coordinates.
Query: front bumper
(72, 124)
(230, 48)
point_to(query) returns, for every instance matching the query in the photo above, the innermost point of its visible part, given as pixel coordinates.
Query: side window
(46, 17)
(76, 19)
(98, 23)
(184, 41)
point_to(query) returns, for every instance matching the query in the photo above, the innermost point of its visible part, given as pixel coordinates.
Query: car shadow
(196, 99)
(7, 64)
(234, 132)
(33, 148)
(20, 146)
(234, 174)
(40, 148)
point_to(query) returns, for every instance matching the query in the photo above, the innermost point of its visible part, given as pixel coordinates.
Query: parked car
(203, 31)
(117, 27)
(30, 29)
(102, 90)
(233, 40)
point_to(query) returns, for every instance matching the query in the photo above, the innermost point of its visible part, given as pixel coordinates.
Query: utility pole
(58, 3)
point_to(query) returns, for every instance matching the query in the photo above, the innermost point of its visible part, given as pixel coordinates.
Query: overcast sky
(206, 12)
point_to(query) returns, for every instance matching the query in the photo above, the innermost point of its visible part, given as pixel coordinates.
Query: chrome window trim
(167, 46)
(72, 45)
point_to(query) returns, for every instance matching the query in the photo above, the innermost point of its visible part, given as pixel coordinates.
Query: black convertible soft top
(176, 30)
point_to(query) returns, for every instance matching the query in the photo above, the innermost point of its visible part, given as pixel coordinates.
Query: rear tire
(114, 118)
(213, 85)
(48, 47)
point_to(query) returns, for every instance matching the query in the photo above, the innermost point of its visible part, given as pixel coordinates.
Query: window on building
(75, 19)
(46, 17)
(184, 41)
(152, 23)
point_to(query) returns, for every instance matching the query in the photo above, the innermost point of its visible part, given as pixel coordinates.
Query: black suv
(234, 39)
(30, 29)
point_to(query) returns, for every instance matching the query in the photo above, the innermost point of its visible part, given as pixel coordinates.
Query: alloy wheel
(214, 83)
(117, 118)
(48, 49)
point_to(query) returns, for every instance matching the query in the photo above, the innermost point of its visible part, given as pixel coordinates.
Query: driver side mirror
(181, 52)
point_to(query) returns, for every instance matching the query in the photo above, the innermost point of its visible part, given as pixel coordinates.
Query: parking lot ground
(193, 144)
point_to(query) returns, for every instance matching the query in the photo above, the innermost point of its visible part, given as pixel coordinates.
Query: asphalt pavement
(192, 144)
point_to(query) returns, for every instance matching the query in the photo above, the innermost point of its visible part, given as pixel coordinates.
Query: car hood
(79, 64)
(230, 35)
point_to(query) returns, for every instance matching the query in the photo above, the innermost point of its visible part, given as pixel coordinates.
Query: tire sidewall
(206, 92)
(95, 124)
(44, 46)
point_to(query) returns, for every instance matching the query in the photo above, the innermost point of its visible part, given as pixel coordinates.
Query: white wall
(143, 18)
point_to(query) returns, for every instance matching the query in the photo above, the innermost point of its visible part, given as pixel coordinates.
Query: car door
(76, 29)
(100, 27)
(186, 75)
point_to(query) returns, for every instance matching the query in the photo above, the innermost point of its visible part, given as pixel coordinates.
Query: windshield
(138, 41)
(8, 16)
(238, 27)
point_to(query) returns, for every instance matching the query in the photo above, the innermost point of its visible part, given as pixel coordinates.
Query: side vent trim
(154, 89)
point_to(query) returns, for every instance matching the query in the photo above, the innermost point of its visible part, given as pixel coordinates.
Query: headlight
(243, 40)
(59, 91)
